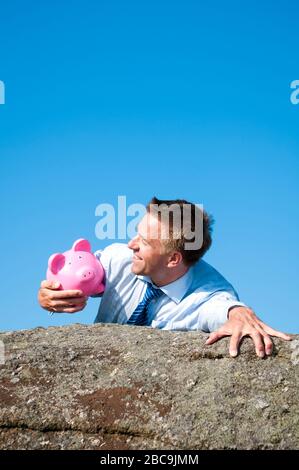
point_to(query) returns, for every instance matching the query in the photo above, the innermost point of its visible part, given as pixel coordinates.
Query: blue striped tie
(139, 316)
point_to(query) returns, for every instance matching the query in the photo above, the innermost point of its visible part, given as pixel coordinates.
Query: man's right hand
(54, 300)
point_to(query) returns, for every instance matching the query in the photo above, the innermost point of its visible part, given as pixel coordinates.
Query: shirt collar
(175, 290)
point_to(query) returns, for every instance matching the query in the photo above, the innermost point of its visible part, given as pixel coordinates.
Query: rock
(123, 387)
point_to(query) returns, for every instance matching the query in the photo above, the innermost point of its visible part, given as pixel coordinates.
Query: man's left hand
(242, 321)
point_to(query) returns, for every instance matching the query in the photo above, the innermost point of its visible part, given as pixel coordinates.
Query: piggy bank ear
(81, 245)
(56, 262)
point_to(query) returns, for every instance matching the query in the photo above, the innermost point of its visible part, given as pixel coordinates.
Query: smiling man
(160, 280)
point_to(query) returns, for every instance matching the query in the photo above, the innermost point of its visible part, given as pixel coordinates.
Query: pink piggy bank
(77, 268)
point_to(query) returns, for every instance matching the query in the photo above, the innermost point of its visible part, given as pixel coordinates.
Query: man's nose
(133, 244)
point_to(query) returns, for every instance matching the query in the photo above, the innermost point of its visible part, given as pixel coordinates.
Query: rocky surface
(123, 387)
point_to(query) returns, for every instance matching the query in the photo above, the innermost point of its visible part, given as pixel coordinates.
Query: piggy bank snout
(86, 273)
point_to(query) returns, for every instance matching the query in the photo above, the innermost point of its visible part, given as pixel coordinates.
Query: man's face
(149, 258)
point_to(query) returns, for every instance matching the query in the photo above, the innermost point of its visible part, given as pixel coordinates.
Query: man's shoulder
(116, 252)
(205, 276)
(204, 268)
(116, 248)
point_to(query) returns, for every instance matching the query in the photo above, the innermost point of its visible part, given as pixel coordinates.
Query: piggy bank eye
(80, 257)
(70, 263)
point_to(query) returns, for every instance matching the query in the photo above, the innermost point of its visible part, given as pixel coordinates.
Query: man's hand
(54, 300)
(242, 321)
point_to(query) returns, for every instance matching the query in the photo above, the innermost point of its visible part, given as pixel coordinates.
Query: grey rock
(124, 387)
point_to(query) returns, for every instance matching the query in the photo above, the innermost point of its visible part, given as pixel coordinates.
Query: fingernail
(261, 354)
(56, 284)
(233, 353)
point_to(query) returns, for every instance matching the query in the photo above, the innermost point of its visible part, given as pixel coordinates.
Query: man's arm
(241, 322)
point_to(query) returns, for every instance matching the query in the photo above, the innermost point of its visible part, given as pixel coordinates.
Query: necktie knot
(139, 316)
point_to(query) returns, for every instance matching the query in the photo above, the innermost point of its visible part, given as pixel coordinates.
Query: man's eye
(144, 241)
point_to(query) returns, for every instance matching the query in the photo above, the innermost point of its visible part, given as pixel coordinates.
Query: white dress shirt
(199, 300)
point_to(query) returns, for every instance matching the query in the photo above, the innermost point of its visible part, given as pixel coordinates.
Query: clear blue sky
(186, 99)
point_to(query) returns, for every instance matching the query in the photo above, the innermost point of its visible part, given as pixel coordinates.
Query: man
(160, 280)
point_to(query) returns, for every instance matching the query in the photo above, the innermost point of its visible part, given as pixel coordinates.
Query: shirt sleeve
(214, 312)
(113, 258)
(102, 257)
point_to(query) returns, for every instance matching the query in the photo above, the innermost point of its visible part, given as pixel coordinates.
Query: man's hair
(187, 223)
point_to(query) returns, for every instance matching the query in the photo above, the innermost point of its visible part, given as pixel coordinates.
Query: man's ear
(175, 258)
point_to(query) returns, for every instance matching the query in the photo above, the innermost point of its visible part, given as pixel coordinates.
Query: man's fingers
(62, 307)
(70, 303)
(272, 332)
(59, 294)
(268, 345)
(234, 343)
(215, 336)
(72, 309)
(258, 343)
(243, 322)
(66, 294)
(50, 284)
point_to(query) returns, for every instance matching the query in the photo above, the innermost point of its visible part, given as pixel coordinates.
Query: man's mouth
(135, 257)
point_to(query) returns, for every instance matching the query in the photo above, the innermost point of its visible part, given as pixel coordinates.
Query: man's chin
(136, 270)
